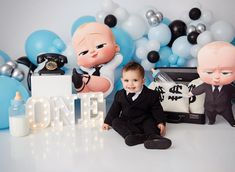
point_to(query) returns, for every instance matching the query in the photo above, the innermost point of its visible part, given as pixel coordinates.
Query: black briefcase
(182, 75)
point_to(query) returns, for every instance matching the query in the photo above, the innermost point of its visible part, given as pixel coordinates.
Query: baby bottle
(18, 122)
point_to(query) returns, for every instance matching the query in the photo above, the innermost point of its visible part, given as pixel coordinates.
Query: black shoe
(157, 142)
(211, 122)
(232, 124)
(135, 139)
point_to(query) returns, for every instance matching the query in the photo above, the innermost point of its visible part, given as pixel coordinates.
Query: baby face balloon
(216, 63)
(94, 44)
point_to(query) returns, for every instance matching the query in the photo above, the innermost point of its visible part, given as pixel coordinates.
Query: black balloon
(178, 28)
(153, 56)
(110, 20)
(195, 13)
(192, 37)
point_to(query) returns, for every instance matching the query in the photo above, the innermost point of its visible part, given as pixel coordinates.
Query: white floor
(196, 148)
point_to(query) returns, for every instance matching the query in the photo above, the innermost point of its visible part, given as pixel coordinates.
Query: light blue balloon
(80, 21)
(8, 88)
(166, 21)
(148, 78)
(4, 56)
(161, 33)
(126, 44)
(165, 52)
(181, 62)
(173, 59)
(43, 41)
(162, 63)
(181, 47)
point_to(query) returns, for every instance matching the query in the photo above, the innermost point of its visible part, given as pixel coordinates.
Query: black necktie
(216, 92)
(97, 71)
(129, 97)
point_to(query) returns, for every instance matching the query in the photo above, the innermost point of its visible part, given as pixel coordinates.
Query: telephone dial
(52, 63)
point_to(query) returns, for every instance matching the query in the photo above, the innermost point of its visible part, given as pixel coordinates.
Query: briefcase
(173, 95)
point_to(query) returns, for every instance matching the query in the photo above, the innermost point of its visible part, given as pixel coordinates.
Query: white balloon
(192, 62)
(204, 38)
(141, 42)
(109, 6)
(185, 17)
(141, 52)
(197, 5)
(121, 14)
(147, 65)
(100, 15)
(222, 31)
(135, 26)
(194, 50)
(207, 16)
(153, 45)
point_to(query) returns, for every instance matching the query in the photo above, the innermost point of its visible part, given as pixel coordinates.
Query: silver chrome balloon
(12, 63)
(6, 70)
(159, 16)
(191, 28)
(18, 74)
(200, 28)
(149, 14)
(153, 21)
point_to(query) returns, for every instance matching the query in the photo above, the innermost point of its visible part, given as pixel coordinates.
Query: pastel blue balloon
(162, 63)
(181, 47)
(4, 56)
(166, 21)
(8, 88)
(181, 62)
(148, 77)
(118, 85)
(173, 59)
(80, 21)
(165, 52)
(233, 41)
(43, 41)
(161, 33)
(126, 44)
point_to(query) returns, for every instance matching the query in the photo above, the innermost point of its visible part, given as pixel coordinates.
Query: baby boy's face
(132, 81)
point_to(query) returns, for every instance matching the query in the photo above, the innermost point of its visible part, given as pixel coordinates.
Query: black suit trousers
(125, 127)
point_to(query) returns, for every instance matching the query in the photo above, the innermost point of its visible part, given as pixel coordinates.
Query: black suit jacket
(221, 103)
(146, 105)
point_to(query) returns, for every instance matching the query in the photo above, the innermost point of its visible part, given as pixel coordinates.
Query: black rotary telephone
(53, 63)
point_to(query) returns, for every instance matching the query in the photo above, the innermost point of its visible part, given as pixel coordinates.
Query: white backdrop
(19, 18)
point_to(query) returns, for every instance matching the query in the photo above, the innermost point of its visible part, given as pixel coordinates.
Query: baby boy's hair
(134, 66)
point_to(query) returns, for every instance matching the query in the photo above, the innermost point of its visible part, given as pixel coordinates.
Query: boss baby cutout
(97, 57)
(216, 68)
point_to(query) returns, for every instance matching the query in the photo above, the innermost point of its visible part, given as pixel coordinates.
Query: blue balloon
(80, 21)
(165, 52)
(4, 56)
(162, 63)
(8, 88)
(181, 61)
(126, 44)
(43, 41)
(166, 21)
(173, 59)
